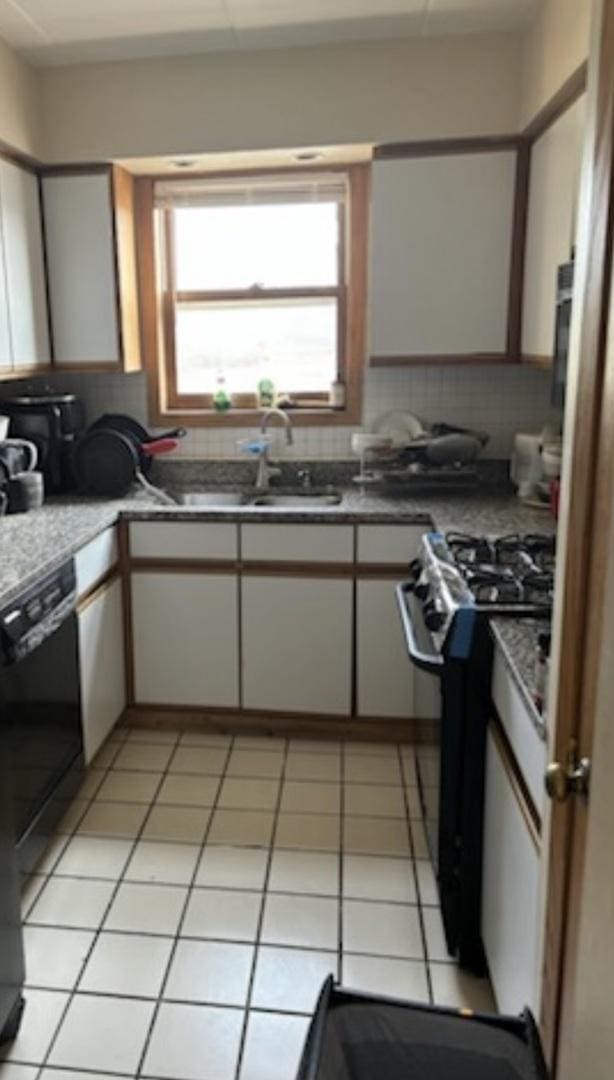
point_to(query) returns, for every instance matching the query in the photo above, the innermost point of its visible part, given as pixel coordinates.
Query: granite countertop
(517, 639)
(33, 543)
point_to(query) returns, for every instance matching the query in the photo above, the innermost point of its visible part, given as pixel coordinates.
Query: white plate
(400, 426)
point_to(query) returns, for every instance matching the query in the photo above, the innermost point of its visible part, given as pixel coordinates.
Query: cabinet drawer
(183, 540)
(529, 748)
(389, 543)
(95, 560)
(297, 543)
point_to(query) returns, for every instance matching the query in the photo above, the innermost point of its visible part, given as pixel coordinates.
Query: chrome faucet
(266, 471)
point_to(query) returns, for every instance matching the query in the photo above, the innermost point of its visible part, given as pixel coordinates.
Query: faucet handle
(304, 478)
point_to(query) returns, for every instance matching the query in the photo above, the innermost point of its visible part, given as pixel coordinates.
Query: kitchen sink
(292, 497)
(302, 497)
(213, 498)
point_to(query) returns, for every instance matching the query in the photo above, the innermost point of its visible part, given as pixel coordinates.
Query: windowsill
(301, 417)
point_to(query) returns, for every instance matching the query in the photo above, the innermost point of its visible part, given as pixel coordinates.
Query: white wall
(370, 91)
(553, 48)
(20, 117)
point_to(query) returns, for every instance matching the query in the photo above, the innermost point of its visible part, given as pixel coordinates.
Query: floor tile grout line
(427, 971)
(257, 939)
(97, 932)
(177, 935)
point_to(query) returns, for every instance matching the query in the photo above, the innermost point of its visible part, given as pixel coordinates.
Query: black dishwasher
(40, 707)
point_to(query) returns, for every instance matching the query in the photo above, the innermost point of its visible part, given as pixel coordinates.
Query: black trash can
(356, 1036)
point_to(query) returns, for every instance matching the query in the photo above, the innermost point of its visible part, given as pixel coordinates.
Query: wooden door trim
(560, 102)
(587, 497)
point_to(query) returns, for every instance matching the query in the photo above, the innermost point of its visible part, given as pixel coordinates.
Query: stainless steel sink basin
(213, 498)
(292, 497)
(300, 498)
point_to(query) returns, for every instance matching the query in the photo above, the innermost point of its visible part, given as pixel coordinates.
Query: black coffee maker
(52, 422)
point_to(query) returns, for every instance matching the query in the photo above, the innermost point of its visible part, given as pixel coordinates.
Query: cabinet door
(510, 891)
(102, 666)
(81, 266)
(556, 160)
(441, 230)
(297, 644)
(384, 672)
(25, 271)
(185, 639)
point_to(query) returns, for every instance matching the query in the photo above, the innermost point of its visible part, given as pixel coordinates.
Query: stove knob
(433, 619)
(422, 589)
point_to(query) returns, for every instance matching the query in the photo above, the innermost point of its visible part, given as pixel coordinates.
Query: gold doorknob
(565, 780)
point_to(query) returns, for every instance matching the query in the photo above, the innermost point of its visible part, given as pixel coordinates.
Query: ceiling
(50, 32)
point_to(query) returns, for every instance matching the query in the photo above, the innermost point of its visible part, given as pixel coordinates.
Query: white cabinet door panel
(95, 560)
(441, 232)
(298, 543)
(102, 666)
(25, 270)
(297, 644)
(510, 892)
(389, 543)
(183, 540)
(556, 161)
(384, 672)
(185, 639)
(82, 273)
(529, 747)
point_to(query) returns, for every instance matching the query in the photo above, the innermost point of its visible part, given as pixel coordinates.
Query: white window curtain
(252, 191)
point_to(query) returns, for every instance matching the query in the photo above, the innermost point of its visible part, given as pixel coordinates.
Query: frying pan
(144, 443)
(107, 462)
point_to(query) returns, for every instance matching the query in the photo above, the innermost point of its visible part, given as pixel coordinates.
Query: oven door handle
(431, 662)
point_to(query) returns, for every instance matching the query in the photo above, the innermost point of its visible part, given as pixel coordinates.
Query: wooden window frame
(157, 305)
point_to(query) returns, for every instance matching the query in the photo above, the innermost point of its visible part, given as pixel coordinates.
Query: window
(260, 278)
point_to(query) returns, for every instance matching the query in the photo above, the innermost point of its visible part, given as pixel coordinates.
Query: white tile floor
(199, 891)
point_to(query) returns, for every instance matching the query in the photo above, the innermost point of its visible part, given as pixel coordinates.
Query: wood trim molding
(543, 362)
(563, 99)
(98, 588)
(124, 244)
(269, 568)
(123, 548)
(183, 566)
(294, 725)
(18, 157)
(517, 782)
(472, 144)
(79, 168)
(441, 359)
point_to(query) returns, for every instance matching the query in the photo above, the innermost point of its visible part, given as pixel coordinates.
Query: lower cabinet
(297, 644)
(101, 658)
(385, 675)
(185, 631)
(510, 888)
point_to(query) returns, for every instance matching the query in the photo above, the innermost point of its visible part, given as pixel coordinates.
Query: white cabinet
(297, 644)
(102, 666)
(80, 257)
(389, 543)
(95, 560)
(556, 160)
(527, 743)
(297, 543)
(441, 230)
(185, 639)
(24, 266)
(90, 244)
(510, 889)
(384, 672)
(183, 540)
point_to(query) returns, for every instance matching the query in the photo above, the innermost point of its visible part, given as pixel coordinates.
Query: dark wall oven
(40, 708)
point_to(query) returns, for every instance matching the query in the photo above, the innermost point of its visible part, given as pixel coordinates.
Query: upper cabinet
(24, 332)
(91, 259)
(441, 238)
(556, 161)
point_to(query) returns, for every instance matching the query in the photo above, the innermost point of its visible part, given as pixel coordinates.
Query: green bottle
(221, 399)
(266, 393)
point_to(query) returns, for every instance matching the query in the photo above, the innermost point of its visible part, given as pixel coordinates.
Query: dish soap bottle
(221, 399)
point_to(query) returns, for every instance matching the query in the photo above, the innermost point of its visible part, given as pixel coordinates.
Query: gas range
(461, 575)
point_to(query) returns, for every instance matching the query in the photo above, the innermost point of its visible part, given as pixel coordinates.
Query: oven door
(40, 703)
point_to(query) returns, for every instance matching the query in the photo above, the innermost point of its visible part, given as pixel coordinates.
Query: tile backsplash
(500, 400)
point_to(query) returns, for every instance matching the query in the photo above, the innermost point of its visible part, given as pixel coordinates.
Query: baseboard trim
(252, 721)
